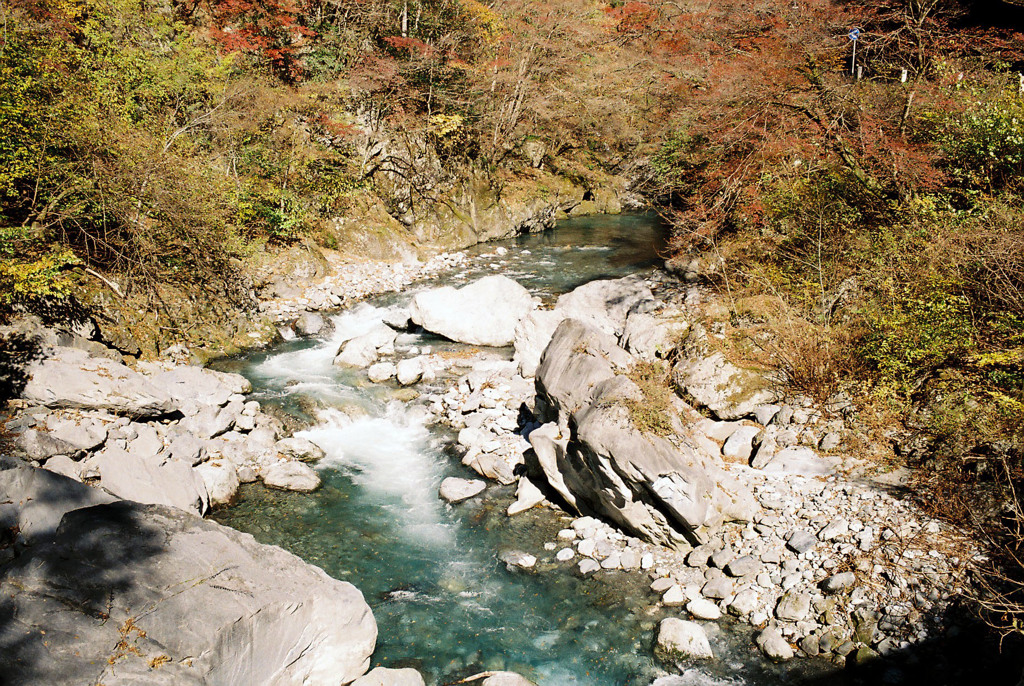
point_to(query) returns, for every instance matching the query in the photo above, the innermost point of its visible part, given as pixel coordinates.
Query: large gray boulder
(153, 481)
(290, 475)
(196, 385)
(729, 391)
(484, 312)
(34, 500)
(363, 350)
(679, 639)
(133, 594)
(70, 378)
(532, 335)
(606, 304)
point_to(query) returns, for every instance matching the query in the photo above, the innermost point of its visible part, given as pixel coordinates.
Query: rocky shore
(733, 499)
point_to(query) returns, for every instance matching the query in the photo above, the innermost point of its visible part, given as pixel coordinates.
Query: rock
(517, 558)
(299, 448)
(679, 639)
(362, 351)
(455, 490)
(207, 604)
(185, 446)
(649, 337)
(65, 466)
(765, 413)
(484, 312)
(527, 497)
(39, 445)
(801, 541)
(830, 442)
(195, 385)
(382, 371)
(793, 607)
(221, 481)
(310, 324)
(291, 476)
(773, 645)
(606, 304)
(839, 583)
(409, 371)
(501, 679)
(381, 676)
(151, 481)
(674, 596)
(729, 391)
(588, 565)
(739, 445)
(745, 602)
(78, 431)
(397, 318)
(799, 461)
(702, 608)
(532, 335)
(718, 589)
(39, 499)
(742, 566)
(659, 585)
(70, 378)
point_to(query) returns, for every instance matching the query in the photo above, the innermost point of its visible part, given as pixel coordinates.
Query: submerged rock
(291, 476)
(483, 313)
(455, 490)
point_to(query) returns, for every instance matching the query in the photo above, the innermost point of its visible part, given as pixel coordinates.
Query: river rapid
(443, 601)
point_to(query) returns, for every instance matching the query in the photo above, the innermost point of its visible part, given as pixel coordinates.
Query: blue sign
(854, 34)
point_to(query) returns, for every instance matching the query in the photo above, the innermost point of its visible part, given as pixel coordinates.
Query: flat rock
(606, 304)
(290, 475)
(742, 566)
(151, 481)
(800, 461)
(221, 481)
(527, 496)
(299, 448)
(801, 541)
(793, 607)
(381, 371)
(70, 378)
(381, 676)
(838, 583)
(701, 608)
(455, 490)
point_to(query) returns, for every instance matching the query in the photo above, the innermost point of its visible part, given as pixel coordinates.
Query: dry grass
(652, 414)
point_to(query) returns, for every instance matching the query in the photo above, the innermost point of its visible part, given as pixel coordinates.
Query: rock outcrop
(147, 594)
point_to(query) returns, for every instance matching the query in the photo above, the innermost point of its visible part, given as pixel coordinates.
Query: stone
(800, 541)
(532, 335)
(150, 481)
(720, 558)
(773, 645)
(484, 312)
(517, 558)
(502, 679)
(381, 371)
(70, 378)
(455, 490)
(830, 442)
(674, 596)
(397, 318)
(210, 421)
(745, 602)
(409, 371)
(39, 445)
(39, 499)
(218, 606)
(221, 481)
(310, 324)
(729, 391)
(196, 385)
(78, 431)
(605, 304)
(839, 583)
(588, 565)
(800, 461)
(362, 351)
(650, 337)
(65, 466)
(718, 588)
(527, 496)
(743, 566)
(793, 607)
(291, 476)
(565, 554)
(679, 639)
(381, 676)
(299, 448)
(702, 608)
(765, 413)
(739, 446)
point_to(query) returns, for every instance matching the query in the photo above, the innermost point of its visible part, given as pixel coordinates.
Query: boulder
(196, 385)
(311, 324)
(679, 639)
(649, 337)
(382, 371)
(532, 335)
(701, 608)
(527, 496)
(151, 481)
(82, 432)
(409, 371)
(210, 421)
(38, 499)
(381, 676)
(65, 466)
(793, 607)
(484, 312)
(39, 445)
(773, 645)
(299, 448)
(800, 461)
(221, 481)
(153, 595)
(363, 350)
(455, 490)
(397, 318)
(70, 378)
(289, 475)
(729, 391)
(606, 304)
(739, 445)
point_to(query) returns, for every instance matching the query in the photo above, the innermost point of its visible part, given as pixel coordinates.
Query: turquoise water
(443, 602)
